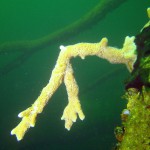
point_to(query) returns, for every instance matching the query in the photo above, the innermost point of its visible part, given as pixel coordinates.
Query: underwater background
(101, 84)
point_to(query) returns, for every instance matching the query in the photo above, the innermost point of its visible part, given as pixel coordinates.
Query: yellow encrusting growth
(63, 72)
(137, 132)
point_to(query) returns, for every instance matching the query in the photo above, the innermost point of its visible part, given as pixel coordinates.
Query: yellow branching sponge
(63, 72)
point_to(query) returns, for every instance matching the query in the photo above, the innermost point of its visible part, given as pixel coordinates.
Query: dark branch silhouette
(28, 48)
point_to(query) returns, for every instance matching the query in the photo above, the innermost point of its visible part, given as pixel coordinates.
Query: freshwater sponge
(63, 72)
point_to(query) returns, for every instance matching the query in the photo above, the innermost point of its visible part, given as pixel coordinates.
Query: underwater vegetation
(135, 130)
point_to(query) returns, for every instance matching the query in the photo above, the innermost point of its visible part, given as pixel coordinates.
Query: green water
(19, 87)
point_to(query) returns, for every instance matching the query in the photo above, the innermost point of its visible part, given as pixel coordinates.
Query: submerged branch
(30, 47)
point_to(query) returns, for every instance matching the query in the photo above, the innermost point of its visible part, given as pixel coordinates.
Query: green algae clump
(137, 126)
